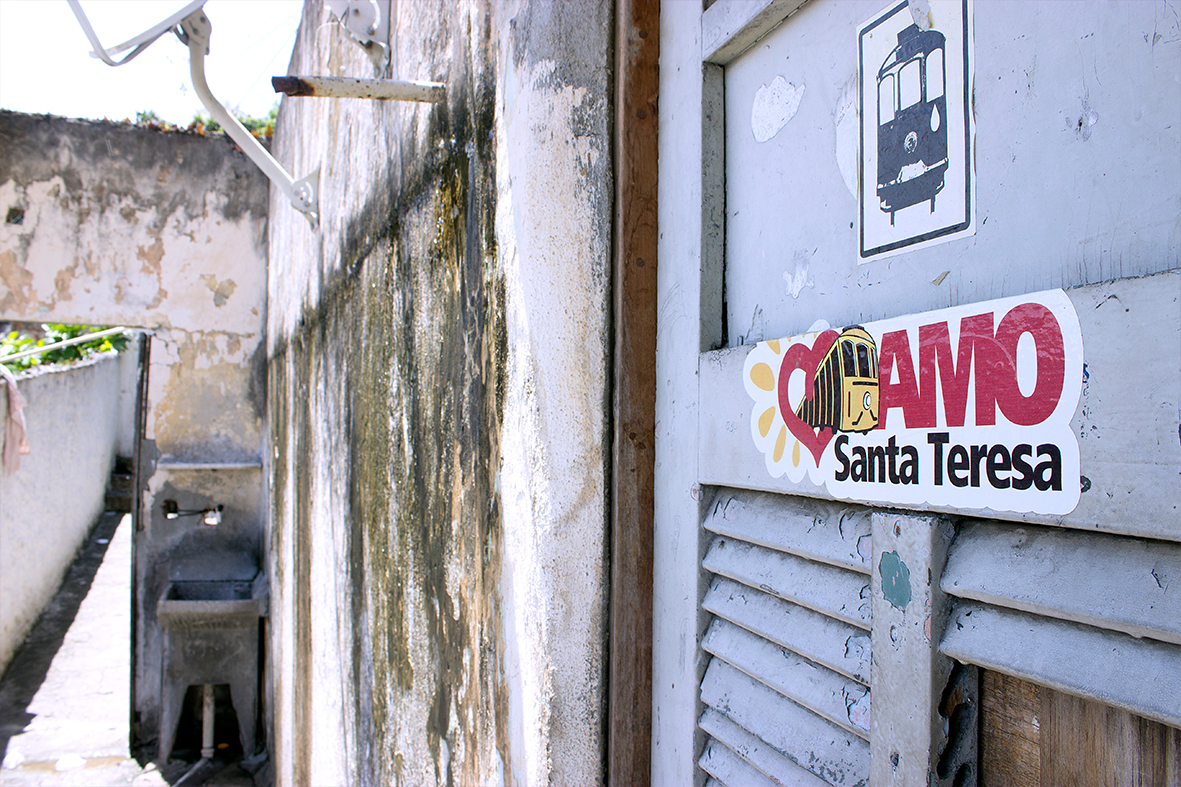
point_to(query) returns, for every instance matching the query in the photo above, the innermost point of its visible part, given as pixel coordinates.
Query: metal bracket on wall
(368, 23)
(303, 193)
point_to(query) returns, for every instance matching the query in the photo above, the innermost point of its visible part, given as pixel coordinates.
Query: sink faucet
(210, 516)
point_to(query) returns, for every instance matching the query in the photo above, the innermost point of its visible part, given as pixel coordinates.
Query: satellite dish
(136, 44)
(192, 27)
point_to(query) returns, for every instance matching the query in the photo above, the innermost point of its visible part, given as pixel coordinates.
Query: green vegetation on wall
(17, 342)
(261, 127)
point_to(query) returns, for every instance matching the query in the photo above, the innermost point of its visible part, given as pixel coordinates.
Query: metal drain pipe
(352, 87)
(207, 748)
(207, 723)
(64, 343)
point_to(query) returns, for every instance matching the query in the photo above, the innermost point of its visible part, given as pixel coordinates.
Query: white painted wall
(1076, 159)
(128, 384)
(686, 221)
(529, 708)
(551, 216)
(49, 505)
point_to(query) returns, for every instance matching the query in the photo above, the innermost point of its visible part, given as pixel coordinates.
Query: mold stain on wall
(408, 342)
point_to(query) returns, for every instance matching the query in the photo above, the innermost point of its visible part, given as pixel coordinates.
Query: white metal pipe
(59, 345)
(207, 723)
(302, 194)
(352, 87)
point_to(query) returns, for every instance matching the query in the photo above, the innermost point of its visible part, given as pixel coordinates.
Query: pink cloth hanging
(16, 441)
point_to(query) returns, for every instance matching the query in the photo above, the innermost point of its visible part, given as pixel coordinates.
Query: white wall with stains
(439, 355)
(111, 225)
(49, 505)
(551, 216)
(108, 224)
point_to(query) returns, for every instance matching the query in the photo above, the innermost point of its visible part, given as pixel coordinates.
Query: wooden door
(1031, 735)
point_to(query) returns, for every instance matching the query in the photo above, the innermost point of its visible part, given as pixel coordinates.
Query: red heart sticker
(798, 356)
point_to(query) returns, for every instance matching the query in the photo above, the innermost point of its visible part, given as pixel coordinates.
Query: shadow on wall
(73, 418)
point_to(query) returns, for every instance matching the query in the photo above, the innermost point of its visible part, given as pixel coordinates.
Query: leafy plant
(16, 342)
(149, 119)
(263, 128)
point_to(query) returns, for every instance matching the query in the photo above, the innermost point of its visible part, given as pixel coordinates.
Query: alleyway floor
(65, 697)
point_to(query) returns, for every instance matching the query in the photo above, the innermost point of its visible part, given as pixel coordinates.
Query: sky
(46, 67)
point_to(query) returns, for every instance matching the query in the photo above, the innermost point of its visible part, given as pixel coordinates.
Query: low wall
(48, 506)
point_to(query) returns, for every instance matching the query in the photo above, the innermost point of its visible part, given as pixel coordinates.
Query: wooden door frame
(629, 725)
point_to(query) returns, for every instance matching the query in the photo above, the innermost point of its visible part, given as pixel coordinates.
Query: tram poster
(968, 407)
(917, 184)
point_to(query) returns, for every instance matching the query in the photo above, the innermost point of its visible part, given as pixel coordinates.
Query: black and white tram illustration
(912, 121)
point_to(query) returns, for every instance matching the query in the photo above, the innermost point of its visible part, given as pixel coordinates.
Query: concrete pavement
(65, 698)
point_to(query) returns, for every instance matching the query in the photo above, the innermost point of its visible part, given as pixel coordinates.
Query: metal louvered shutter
(1090, 614)
(786, 690)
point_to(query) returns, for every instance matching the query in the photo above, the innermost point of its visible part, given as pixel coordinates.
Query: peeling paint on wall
(774, 105)
(895, 580)
(847, 124)
(798, 278)
(104, 240)
(126, 226)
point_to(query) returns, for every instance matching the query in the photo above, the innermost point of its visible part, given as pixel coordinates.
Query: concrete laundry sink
(199, 604)
(211, 636)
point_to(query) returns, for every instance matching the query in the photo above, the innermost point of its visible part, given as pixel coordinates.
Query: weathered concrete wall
(438, 356)
(115, 225)
(48, 506)
(105, 223)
